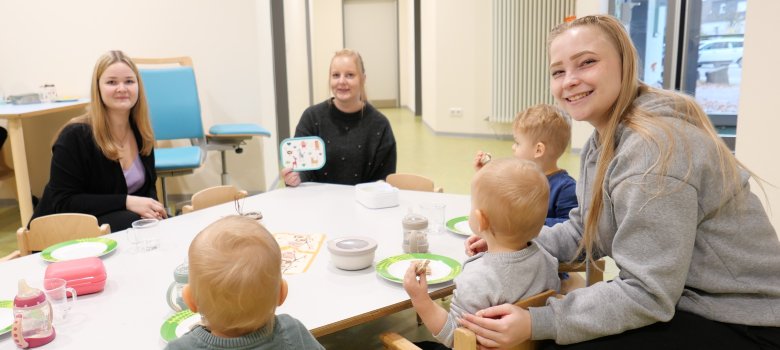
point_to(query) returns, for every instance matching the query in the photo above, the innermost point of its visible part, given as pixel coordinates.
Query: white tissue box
(375, 195)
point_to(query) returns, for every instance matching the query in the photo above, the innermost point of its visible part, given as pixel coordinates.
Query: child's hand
(474, 244)
(291, 178)
(414, 287)
(478, 160)
(481, 159)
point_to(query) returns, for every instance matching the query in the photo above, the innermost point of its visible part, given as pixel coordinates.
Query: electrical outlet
(487, 118)
(456, 112)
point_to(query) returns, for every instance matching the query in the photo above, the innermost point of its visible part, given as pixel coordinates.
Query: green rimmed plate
(443, 269)
(6, 316)
(79, 248)
(459, 225)
(179, 324)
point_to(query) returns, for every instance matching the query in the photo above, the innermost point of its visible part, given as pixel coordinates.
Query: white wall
(297, 60)
(456, 65)
(327, 37)
(371, 28)
(406, 53)
(758, 123)
(59, 41)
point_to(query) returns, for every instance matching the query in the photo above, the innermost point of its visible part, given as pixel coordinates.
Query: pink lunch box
(86, 275)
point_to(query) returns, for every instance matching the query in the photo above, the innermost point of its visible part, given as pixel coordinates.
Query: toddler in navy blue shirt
(541, 135)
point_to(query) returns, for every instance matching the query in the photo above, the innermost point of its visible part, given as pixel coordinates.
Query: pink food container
(86, 275)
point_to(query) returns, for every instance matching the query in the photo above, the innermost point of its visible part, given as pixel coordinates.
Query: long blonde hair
(644, 123)
(97, 118)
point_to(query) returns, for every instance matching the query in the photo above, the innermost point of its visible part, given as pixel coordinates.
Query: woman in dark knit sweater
(103, 162)
(359, 143)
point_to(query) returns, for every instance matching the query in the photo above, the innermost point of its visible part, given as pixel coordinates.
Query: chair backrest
(172, 95)
(465, 339)
(213, 196)
(52, 229)
(411, 182)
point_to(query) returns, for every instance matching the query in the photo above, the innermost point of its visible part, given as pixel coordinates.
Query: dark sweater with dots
(359, 147)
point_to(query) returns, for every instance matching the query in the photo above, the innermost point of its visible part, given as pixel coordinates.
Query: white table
(128, 314)
(16, 114)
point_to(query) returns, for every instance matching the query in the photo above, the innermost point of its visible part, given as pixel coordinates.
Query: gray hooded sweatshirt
(685, 247)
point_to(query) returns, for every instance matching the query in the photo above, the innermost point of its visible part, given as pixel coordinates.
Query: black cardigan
(359, 147)
(83, 180)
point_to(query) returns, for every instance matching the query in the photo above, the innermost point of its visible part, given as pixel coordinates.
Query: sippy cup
(415, 236)
(32, 318)
(180, 278)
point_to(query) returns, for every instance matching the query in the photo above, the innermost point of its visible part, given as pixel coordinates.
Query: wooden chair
(412, 182)
(213, 196)
(593, 274)
(52, 229)
(14, 254)
(464, 338)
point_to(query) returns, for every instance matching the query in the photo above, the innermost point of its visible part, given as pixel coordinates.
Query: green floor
(445, 159)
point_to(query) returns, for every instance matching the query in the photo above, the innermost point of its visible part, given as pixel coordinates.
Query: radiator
(520, 75)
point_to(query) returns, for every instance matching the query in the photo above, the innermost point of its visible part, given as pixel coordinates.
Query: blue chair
(225, 137)
(174, 109)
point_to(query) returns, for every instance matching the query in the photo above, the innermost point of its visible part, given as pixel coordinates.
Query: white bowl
(376, 195)
(352, 252)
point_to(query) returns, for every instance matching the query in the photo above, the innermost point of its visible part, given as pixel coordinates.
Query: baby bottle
(180, 278)
(415, 237)
(32, 318)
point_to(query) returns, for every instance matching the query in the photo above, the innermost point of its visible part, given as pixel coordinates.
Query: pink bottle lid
(28, 296)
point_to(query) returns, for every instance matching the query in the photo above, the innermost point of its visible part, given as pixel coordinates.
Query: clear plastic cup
(57, 293)
(434, 212)
(144, 235)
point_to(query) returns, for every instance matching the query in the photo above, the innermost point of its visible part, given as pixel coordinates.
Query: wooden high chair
(52, 229)
(465, 339)
(412, 182)
(213, 196)
(593, 274)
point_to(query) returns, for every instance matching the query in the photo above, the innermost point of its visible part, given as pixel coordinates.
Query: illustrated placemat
(298, 250)
(302, 153)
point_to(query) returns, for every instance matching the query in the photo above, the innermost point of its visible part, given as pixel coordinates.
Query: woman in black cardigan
(103, 162)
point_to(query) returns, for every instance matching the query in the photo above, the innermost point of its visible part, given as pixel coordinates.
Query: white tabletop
(17, 111)
(128, 314)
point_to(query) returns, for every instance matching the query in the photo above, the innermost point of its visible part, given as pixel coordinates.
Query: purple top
(135, 175)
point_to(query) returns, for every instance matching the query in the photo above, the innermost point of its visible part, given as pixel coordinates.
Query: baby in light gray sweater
(513, 267)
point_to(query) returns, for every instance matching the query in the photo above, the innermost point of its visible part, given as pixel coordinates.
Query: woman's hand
(291, 178)
(474, 244)
(415, 288)
(499, 326)
(146, 208)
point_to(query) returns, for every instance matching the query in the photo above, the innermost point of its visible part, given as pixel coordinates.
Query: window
(693, 46)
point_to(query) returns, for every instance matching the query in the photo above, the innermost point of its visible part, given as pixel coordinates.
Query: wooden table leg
(19, 156)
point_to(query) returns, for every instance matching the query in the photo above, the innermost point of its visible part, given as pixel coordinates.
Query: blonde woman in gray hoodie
(662, 195)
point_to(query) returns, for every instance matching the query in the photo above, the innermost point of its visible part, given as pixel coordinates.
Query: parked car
(721, 51)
